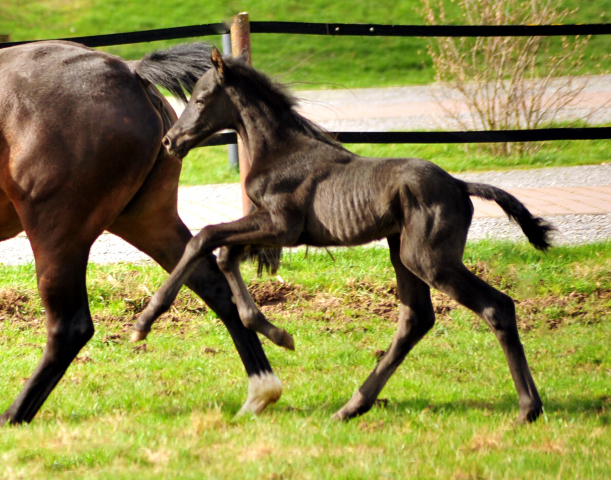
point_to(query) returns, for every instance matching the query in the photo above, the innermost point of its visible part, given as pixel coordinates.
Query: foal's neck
(265, 130)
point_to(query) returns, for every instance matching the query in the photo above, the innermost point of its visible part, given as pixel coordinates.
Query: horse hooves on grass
(263, 389)
(286, 340)
(530, 415)
(340, 416)
(4, 419)
(138, 336)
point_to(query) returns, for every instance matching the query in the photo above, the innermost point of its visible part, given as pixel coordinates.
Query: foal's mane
(276, 97)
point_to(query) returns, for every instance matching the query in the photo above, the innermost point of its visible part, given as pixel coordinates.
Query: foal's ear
(217, 61)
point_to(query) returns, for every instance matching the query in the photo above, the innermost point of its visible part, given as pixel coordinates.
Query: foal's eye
(199, 101)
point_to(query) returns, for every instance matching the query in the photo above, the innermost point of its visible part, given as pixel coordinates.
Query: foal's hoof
(286, 340)
(529, 415)
(356, 406)
(4, 419)
(138, 336)
(280, 337)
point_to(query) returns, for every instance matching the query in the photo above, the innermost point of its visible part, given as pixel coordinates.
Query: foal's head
(218, 99)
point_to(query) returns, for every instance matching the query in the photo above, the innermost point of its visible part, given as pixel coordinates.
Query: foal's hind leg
(446, 272)
(416, 318)
(229, 263)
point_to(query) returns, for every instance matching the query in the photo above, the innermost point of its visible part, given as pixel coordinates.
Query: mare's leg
(442, 268)
(60, 268)
(252, 318)
(256, 228)
(151, 224)
(416, 318)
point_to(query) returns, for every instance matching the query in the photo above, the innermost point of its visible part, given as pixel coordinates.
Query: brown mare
(308, 189)
(80, 153)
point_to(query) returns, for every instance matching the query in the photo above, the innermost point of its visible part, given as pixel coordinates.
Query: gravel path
(571, 229)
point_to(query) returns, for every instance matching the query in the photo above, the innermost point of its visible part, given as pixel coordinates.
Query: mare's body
(80, 153)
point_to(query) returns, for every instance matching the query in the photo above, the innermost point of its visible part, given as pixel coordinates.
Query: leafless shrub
(506, 82)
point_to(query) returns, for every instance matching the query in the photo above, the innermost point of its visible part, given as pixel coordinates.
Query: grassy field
(307, 60)
(166, 409)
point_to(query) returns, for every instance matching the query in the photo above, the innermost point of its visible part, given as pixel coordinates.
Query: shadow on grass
(596, 408)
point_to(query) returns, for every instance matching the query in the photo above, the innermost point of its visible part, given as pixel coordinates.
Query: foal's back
(358, 199)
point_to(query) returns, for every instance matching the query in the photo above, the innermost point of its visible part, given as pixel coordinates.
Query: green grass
(167, 411)
(311, 61)
(210, 165)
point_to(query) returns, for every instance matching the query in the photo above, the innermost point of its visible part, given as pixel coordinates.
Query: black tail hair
(267, 258)
(176, 69)
(536, 229)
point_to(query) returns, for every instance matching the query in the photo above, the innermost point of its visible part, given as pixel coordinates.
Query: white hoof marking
(262, 390)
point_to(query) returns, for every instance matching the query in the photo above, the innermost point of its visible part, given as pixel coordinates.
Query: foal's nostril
(167, 142)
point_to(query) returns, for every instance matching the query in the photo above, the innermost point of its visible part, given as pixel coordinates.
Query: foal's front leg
(229, 263)
(256, 228)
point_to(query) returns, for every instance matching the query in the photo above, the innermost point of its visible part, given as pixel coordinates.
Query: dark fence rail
(341, 29)
(489, 136)
(429, 30)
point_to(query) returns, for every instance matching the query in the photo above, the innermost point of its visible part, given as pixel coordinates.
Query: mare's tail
(176, 69)
(536, 229)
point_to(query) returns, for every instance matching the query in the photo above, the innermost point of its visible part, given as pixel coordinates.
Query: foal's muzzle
(171, 145)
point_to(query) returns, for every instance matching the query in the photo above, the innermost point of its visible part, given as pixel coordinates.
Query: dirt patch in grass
(270, 293)
(358, 299)
(19, 308)
(13, 302)
(361, 298)
(364, 298)
(558, 310)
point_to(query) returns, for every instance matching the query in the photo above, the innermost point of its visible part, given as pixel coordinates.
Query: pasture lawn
(210, 165)
(165, 409)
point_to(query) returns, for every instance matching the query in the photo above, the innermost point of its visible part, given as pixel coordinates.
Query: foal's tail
(536, 229)
(176, 69)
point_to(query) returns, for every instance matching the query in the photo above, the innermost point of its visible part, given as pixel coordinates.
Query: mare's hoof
(263, 389)
(138, 336)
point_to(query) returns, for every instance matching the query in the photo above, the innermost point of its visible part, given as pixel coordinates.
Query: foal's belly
(351, 218)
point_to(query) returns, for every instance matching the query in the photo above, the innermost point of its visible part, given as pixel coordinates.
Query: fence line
(338, 29)
(467, 136)
(341, 29)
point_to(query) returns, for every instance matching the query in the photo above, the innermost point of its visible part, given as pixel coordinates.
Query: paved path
(424, 107)
(576, 199)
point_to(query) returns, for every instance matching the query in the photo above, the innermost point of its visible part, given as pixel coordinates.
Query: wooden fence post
(240, 45)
